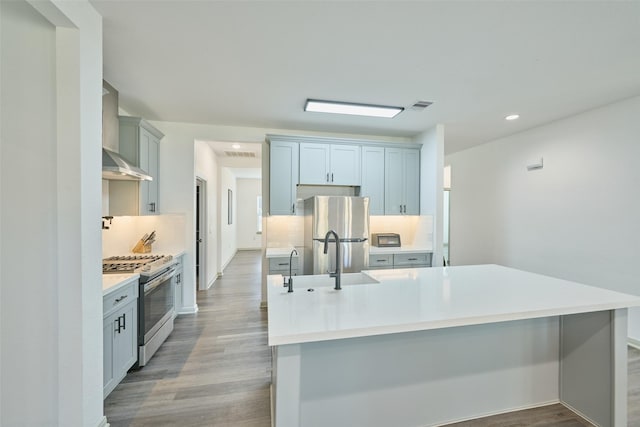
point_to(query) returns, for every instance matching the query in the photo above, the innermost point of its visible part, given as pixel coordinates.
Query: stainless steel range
(155, 301)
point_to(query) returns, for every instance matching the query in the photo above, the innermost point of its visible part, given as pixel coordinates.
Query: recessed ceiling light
(512, 117)
(235, 146)
(336, 107)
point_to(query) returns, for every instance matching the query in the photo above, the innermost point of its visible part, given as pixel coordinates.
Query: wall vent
(240, 154)
(421, 105)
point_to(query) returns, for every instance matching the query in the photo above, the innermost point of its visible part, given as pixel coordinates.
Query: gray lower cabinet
(177, 286)
(400, 260)
(120, 335)
(280, 265)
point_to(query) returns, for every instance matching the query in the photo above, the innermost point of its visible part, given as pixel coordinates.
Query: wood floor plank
(215, 368)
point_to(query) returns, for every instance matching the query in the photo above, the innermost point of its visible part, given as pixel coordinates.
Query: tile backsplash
(414, 230)
(125, 231)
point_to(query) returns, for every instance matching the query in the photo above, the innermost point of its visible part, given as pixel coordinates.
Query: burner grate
(127, 263)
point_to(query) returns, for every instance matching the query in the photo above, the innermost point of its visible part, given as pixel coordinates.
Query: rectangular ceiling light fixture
(336, 107)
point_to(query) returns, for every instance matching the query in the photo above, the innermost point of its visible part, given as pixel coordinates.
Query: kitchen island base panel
(593, 366)
(441, 376)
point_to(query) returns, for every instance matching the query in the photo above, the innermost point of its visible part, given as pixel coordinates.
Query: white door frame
(201, 282)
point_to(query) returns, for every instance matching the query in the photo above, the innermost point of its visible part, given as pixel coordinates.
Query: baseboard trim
(188, 310)
(578, 413)
(103, 422)
(505, 411)
(250, 249)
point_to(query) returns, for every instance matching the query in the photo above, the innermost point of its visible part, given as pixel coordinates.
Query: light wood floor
(214, 369)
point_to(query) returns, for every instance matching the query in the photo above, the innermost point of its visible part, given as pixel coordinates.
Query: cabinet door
(153, 186)
(125, 343)
(412, 182)
(314, 164)
(394, 181)
(372, 181)
(178, 290)
(108, 333)
(345, 165)
(144, 143)
(283, 177)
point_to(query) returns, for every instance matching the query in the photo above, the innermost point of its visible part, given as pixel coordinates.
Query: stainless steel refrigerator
(347, 216)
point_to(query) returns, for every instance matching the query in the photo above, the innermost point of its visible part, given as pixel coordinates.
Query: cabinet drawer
(422, 259)
(119, 298)
(380, 261)
(282, 264)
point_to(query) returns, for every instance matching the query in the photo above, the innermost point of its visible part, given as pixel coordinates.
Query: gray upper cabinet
(329, 164)
(402, 181)
(283, 177)
(373, 178)
(140, 144)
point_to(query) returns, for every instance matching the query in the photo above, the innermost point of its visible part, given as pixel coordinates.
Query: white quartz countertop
(375, 250)
(279, 252)
(113, 282)
(426, 298)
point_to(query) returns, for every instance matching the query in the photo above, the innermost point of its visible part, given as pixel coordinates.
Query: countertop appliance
(385, 240)
(155, 300)
(347, 216)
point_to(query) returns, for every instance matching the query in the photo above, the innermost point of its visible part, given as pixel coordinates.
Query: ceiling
(254, 64)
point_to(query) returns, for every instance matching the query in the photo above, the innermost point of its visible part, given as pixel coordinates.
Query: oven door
(157, 305)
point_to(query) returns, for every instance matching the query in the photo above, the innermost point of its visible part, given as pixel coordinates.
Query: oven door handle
(148, 287)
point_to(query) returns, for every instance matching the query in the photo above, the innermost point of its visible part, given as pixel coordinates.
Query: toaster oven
(385, 240)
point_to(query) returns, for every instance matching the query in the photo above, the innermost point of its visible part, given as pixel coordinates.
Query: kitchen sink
(323, 280)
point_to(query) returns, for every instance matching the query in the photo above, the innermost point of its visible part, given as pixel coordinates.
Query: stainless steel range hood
(116, 167)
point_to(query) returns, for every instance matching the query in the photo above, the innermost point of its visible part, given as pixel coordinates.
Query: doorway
(201, 234)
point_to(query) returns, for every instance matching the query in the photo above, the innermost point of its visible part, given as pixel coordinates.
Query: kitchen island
(438, 345)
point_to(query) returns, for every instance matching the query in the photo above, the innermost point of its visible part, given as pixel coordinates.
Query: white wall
(207, 169)
(51, 300)
(577, 218)
(247, 213)
(228, 232)
(177, 196)
(432, 185)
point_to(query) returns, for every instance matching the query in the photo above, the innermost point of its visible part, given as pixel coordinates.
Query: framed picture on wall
(229, 207)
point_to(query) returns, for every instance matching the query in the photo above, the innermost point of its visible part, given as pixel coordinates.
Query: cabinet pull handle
(404, 208)
(283, 263)
(124, 321)
(331, 176)
(119, 299)
(118, 326)
(293, 208)
(413, 259)
(381, 260)
(400, 208)
(152, 207)
(327, 177)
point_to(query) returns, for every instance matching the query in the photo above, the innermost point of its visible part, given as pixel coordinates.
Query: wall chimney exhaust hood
(116, 167)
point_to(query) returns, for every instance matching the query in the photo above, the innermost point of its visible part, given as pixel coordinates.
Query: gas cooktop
(133, 263)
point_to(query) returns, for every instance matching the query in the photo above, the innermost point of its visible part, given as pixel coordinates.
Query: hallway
(214, 369)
